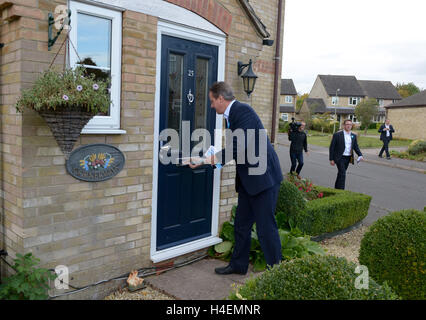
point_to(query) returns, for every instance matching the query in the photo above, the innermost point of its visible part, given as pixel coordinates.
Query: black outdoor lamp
(249, 78)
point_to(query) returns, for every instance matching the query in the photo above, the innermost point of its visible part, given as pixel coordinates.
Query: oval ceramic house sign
(95, 162)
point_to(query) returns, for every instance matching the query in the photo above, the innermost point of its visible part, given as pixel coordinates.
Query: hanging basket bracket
(51, 22)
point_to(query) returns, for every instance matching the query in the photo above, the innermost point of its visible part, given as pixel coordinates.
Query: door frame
(219, 40)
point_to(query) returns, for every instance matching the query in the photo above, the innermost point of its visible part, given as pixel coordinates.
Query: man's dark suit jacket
(383, 132)
(242, 116)
(337, 147)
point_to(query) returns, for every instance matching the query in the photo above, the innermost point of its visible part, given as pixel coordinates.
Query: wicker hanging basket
(66, 125)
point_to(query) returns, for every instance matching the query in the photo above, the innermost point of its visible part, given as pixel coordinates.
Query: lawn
(363, 142)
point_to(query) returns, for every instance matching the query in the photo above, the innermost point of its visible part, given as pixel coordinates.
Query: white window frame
(357, 100)
(284, 115)
(334, 100)
(102, 124)
(288, 99)
(381, 102)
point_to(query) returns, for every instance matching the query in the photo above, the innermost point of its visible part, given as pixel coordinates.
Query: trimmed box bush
(337, 210)
(394, 250)
(311, 278)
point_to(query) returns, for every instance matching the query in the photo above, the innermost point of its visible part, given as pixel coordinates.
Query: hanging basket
(66, 125)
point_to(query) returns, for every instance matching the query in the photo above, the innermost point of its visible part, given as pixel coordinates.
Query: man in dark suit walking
(386, 131)
(341, 153)
(257, 192)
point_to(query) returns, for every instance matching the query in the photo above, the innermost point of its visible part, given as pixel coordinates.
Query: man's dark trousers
(261, 210)
(342, 166)
(385, 147)
(296, 157)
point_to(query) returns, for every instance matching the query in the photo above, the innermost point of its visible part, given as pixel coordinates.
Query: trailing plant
(72, 89)
(29, 282)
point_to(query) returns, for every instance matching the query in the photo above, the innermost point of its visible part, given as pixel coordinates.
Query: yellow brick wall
(409, 123)
(101, 230)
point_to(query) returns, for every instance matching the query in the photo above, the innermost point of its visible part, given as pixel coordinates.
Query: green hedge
(311, 278)
(394, 250)
(338, 209)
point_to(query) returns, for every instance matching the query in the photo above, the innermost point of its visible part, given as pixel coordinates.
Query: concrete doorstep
(198, 281)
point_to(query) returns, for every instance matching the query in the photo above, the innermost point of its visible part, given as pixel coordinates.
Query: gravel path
(346, 245)
(147, 293)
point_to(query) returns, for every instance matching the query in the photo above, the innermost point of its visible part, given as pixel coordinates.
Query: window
(381, 102)
(284, 116)
(353, 101)
(96, 35)
(288, 99)
(334, 100)
(352, 117)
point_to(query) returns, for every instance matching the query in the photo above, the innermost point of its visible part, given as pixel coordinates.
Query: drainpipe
(277, 70)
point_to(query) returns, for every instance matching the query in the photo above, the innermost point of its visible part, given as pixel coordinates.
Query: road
(391, 188)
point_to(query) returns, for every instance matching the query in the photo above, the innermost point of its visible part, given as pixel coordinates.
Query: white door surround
(218, 39)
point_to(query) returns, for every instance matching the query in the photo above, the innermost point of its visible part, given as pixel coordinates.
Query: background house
(341, 94)
(288, 98)
(157, 53)
(408, 116)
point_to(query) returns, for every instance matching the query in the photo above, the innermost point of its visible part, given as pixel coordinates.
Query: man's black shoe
(388, 158)
(227, 270)
(380, 156)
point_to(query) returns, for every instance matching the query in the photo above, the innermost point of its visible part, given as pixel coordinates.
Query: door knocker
(190, 97)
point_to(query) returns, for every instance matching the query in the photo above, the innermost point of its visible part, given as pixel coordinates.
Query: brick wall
(100, 230)
(408, 122)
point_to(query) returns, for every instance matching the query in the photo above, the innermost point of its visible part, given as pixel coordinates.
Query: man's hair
(223, 89)
(344, 122)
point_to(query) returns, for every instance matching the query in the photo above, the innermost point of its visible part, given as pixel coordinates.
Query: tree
(323, 120)
(407, 89)
(365, 111)
(299, 101)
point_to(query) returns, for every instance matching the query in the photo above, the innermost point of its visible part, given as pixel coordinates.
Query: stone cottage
(156, 54)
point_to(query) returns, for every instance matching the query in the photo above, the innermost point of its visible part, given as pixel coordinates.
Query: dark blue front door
(184, 210)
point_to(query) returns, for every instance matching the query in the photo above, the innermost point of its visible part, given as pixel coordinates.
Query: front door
(184, 211)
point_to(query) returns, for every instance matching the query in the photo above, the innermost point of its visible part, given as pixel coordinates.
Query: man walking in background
(299, 142)
(341, 153)
(386, 131)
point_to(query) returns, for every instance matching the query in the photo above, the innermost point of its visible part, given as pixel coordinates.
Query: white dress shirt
(227, 111)
(348, 143)
(387, 131)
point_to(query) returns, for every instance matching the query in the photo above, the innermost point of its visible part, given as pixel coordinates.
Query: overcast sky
(370, 39)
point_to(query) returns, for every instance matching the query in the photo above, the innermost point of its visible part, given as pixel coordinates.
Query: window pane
(94, 40)
(103, 76)
(201, 92)
(175, 92)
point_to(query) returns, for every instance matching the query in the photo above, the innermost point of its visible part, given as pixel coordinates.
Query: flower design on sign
(96, 161)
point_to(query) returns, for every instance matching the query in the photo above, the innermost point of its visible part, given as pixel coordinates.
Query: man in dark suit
(386, 131)
(341, 153)
(257, 191)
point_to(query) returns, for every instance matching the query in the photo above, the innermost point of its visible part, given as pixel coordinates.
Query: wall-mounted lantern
(249, 78)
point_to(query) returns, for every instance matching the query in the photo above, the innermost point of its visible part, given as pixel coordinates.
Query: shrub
(305, 186)
(394, 250)
(290, 203)
(371, 126)
(311, 278)
(417, 147)
(338, 209)
(29, 282)
(283, 126)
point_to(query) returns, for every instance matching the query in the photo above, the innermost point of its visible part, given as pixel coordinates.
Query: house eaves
(254, 18)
